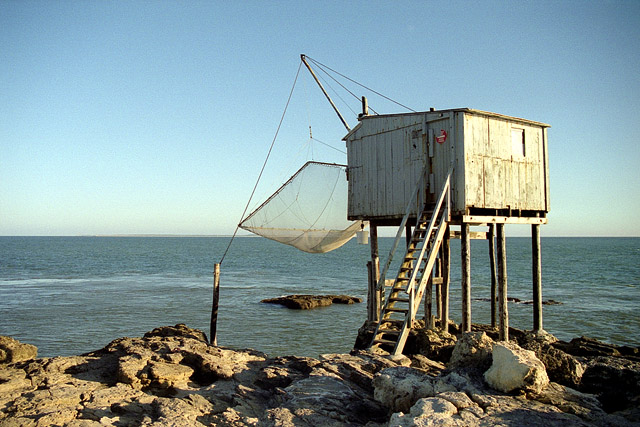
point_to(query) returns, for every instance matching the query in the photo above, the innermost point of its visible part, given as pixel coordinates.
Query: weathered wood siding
(499, 162)
(385, 161)
(505, 164)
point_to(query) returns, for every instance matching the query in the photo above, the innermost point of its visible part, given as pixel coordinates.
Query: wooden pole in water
(537, 277)
(465, 253)
(502, 284)
(492, 267)
(213, 333)
(446, 270)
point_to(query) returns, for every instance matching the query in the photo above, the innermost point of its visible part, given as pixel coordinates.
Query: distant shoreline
(161, 235)
(256, 236)
(142, 235)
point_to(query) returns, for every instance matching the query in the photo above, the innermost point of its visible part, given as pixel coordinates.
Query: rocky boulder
(400, 388)
(590, 347)
(616, 381)
(307, 302)
(12, 350)
(472, 351)
(435, 344)
(514, 368)
(179, 330)
(172, 377)
(561, 367)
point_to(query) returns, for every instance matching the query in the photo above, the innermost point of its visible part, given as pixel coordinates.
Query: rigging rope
(321, 65)
(330, 146)
(336, 93)
(263, 165)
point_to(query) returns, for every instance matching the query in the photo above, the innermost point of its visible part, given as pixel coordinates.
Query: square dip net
(308, 212)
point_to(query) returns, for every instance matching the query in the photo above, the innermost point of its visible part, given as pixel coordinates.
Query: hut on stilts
(434, 175)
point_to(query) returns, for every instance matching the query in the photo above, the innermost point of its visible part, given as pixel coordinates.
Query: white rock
(514, 368)
(400, 387)
(431, 411)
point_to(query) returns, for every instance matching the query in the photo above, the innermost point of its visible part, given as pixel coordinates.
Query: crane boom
(344, 122)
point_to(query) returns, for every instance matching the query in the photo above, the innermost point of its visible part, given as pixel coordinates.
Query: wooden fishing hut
(433, 175)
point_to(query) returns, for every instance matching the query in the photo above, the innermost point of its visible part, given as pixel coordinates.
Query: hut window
(517, 143)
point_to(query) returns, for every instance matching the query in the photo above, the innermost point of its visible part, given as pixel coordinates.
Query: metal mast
(344, 122)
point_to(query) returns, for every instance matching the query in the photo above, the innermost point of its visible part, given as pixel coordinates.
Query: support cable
(335, 92)
(263, 165)
(330, 146)
(321, 65)
(343, 87)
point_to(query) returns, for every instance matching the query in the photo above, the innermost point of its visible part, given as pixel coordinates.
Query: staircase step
(393, 321)
(397, 310)
(381, 341)
(395, 299)
(388, 332)
(406, 269)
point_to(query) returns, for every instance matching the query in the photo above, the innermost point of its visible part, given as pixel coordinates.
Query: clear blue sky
(155, 117)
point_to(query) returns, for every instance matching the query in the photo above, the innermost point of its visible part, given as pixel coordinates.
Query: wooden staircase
(399, 309)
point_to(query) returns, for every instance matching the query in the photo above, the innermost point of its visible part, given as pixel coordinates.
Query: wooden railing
(415, 206)
(438, 223)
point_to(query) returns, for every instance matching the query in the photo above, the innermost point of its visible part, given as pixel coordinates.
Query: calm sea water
(70, 295)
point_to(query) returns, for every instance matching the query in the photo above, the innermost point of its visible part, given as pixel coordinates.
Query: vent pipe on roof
(365, 107)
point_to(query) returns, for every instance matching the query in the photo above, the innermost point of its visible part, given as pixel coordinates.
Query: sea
(72, 295)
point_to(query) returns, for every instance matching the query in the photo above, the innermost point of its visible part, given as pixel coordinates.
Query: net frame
(312, 240)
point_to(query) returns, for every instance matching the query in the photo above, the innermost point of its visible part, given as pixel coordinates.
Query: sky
(151, 117)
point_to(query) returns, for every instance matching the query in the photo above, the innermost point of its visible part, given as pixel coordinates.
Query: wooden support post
(428, 304)
(537, 277)
(407, 234)
(492, 267)
(465, 253)
(213, 326)
(502, 284)
(375, 272)
(446, 270)
(371, 293)
(438, 267)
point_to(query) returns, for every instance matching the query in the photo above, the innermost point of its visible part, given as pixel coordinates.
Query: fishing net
(308, 212)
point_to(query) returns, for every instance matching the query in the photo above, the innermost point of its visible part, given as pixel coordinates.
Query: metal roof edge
(450, 110)
(356, 127)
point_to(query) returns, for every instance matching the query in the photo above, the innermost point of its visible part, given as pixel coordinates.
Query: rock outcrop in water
(307, 302)
(172, 377)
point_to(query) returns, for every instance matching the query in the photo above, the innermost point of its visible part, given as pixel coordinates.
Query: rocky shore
(172, 377)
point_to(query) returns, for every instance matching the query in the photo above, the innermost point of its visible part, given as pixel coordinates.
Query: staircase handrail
(444, 195)
(420, 186)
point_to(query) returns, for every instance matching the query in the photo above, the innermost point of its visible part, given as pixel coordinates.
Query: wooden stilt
(465, 253)
(375, 272)
(438, 285)
(492, 267)
(446, 270)
(537, 277)
(371, 289)
(502, 283)
(428, 303)
(213, 332)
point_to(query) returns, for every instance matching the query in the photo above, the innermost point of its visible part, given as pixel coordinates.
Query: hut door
(439, 150)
